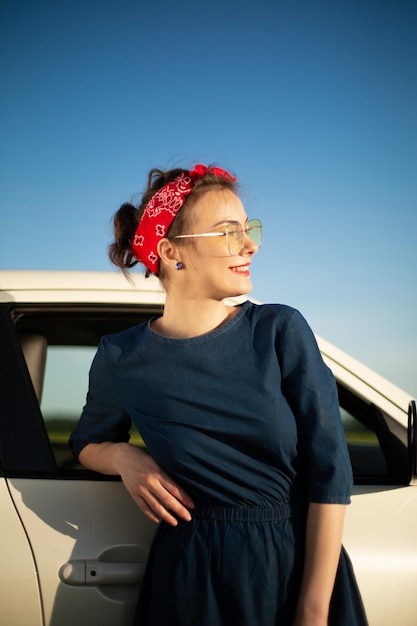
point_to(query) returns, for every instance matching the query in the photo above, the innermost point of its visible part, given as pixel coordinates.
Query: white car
(73, 544)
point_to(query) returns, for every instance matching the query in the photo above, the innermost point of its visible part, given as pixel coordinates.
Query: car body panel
(380, 537)
(47, 286)
(70, 521)
(17, 566)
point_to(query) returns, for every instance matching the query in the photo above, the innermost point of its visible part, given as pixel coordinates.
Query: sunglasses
(234, 235)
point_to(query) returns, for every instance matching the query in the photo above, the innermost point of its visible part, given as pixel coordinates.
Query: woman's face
(210, 271)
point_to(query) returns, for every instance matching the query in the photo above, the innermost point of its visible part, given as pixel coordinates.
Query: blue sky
(311, 103)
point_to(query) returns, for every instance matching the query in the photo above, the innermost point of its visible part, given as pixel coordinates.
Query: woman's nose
(249, 246)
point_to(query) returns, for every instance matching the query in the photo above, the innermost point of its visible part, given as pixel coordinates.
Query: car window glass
(65, 385)
(356, 432)
(366, 456)
(64, 395)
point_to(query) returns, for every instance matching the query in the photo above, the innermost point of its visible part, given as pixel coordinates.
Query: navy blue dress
(246, 419)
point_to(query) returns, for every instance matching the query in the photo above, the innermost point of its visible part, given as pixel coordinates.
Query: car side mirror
(412, 442)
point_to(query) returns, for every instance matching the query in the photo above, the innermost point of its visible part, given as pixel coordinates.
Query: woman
(246, 469)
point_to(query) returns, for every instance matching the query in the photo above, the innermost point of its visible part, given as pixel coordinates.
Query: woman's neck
(184, 318)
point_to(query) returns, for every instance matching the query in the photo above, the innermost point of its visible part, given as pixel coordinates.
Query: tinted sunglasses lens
(234, 239)
(254, 230)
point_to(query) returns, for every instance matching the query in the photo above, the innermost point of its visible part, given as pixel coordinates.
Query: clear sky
(312, 103)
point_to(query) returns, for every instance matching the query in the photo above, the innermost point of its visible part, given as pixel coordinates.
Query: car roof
(85, 287)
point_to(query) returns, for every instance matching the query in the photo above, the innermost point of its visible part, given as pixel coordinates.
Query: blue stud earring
(179, 265)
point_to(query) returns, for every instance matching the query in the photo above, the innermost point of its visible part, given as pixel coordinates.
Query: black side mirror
(412, 442)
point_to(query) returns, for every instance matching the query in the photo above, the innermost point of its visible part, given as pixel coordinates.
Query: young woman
(246, 468)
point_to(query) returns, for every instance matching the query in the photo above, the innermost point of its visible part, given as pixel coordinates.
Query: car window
(64, 395)
(364, 449)
(377, 445)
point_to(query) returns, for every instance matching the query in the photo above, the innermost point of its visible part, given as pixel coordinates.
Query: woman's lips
(241, 269)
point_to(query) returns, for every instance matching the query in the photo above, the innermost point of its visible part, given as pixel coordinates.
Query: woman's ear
(168, 252)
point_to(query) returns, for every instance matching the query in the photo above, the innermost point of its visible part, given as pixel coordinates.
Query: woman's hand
(155, 493)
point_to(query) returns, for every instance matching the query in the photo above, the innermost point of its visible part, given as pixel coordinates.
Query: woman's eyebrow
(226, 222)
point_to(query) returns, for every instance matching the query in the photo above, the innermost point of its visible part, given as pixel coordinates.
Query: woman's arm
(156, 494)
(322, 553)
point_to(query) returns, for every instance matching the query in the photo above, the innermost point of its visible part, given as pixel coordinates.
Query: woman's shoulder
(280, 320)
(280, 313)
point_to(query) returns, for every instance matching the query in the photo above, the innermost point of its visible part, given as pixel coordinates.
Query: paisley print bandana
(161, 210)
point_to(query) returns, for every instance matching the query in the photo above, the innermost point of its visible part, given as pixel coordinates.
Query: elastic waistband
(243, 514)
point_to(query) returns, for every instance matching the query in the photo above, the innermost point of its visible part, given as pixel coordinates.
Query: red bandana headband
(161, 210)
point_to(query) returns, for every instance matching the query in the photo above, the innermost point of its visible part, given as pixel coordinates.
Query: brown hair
(127, 218)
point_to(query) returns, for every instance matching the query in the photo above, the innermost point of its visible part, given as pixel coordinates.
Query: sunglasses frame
(251, 225)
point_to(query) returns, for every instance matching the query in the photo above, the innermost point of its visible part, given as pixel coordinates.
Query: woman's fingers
(157, 495)
(150, 514)
(178, 495)
(156, 511)
(162, 499)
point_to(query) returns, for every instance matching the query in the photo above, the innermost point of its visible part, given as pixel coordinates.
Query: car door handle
(91, 572)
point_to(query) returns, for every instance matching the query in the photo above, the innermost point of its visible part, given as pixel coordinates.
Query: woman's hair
(127, 218)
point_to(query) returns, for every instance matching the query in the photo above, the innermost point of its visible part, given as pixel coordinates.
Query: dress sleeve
(103, 417)
(310, 389)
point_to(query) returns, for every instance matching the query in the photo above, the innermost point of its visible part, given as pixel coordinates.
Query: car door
(74, 542)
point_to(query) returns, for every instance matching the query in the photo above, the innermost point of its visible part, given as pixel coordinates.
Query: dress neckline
(219, 330)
